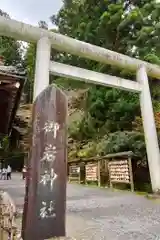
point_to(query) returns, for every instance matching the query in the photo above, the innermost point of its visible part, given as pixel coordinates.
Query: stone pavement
(100, 214)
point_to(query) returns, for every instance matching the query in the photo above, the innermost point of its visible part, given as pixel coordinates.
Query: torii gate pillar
(150, 132)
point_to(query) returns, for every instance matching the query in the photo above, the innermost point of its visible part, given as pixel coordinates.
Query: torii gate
(46, 39)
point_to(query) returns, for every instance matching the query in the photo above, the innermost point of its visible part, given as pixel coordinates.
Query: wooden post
(79, 174)
(99, 173)
(45, 200)
(85, 174)
(110, 182)
(69, 173)
(131, 173)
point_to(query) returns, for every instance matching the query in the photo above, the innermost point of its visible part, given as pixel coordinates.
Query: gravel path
(100, 214)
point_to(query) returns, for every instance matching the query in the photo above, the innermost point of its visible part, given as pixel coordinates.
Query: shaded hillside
(24, 115)
(23, 124)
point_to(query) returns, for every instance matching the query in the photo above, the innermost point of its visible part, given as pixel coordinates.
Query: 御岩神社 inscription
(45, 203)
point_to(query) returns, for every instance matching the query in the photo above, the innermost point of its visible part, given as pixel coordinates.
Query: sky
(31, 11)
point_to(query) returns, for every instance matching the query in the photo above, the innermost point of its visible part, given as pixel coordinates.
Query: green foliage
(83, 129)
(29, 62)
(111, 143)
(125, 27)
(112, 109)
(116, 25)
(121, 142)
(5, 144)
(128, 27)
(88, 150)
(10, 49)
